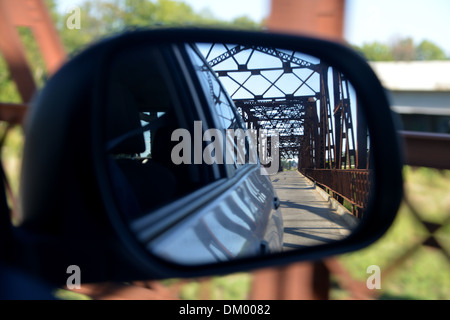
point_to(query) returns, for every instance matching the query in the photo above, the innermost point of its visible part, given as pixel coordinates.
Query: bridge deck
(309, 219)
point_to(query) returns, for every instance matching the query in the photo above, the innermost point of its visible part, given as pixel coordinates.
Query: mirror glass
(221, 151)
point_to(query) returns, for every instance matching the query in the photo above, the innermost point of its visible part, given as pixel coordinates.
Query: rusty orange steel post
(32, 14)
(14, 53)
(319, 18)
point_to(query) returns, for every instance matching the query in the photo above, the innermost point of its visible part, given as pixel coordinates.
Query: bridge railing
(353, 185)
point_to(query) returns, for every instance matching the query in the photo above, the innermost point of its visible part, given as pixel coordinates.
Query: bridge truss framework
(311, 106)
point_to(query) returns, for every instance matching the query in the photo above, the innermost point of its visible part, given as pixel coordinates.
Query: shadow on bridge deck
(309, 219)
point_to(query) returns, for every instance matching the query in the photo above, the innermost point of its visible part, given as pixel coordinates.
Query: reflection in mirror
(221, 151)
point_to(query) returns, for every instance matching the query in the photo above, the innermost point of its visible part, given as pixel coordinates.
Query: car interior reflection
(307, 105)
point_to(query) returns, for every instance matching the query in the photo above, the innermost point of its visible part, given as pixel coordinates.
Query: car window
(143, 112)
(147, 121)
(227, 119)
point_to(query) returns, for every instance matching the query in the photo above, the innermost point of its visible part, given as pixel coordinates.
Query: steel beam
(426, 149)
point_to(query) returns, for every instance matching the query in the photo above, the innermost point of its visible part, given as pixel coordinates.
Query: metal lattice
(311, 106)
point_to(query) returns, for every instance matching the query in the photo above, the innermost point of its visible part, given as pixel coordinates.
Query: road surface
(308, 218)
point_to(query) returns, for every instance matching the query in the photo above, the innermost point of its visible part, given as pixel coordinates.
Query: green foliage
(103, 18)
(376, 51)
(229, 287)
(404, 50)
(33, 56)
(162, 12)
(427, 50)
(288, 164)
(425, 273)
(245, 22)
(8, 89)
(401, 50)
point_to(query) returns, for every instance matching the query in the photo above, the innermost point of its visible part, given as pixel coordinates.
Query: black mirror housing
(69, 211)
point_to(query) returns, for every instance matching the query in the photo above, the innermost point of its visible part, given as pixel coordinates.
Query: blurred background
(406, 42)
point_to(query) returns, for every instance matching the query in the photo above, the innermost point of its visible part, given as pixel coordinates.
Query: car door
(242, 219)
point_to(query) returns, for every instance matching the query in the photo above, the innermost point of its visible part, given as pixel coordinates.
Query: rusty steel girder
(353, 185)
(32, 14)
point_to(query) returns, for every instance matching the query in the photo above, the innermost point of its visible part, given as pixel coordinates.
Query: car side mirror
(179, 152)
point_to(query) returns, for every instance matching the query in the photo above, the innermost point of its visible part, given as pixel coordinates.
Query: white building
(419, 92)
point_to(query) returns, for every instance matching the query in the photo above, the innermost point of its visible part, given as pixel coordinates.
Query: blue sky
(384, 20)
(366, 20)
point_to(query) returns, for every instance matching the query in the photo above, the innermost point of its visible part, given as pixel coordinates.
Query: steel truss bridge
(311, 106)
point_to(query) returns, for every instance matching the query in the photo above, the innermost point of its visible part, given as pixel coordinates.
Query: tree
(245, 22)
(427, 50)
(376, 51)
(404, 50)
(102, 18)
(105, 17)
(401, 50)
